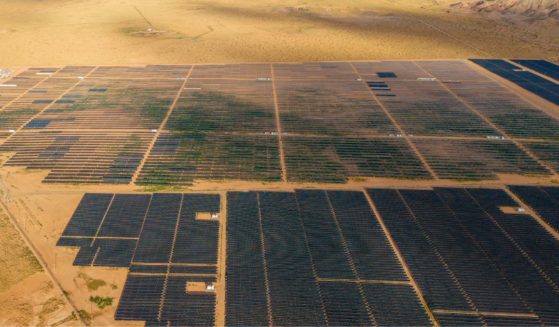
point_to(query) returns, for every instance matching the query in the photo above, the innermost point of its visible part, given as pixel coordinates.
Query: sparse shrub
(101, 302)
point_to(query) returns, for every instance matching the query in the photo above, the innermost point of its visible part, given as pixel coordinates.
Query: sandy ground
(26, 293)
(61, 32)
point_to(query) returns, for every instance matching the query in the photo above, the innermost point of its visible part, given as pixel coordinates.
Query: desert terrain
(68, 32)
(126, 32)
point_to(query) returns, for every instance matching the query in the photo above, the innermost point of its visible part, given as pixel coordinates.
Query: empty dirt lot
(64, 32)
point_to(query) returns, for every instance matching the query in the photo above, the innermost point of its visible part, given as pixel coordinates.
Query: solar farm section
(389, 257)
(313, 122)
(385, 193)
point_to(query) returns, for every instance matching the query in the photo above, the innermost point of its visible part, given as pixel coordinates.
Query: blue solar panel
(541, 66)
(527, 80)
(386, 75)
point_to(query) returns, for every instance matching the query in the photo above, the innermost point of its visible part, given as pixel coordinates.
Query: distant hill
(532, 10)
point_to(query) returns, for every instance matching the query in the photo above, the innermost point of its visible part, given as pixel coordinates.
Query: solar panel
(386, 75)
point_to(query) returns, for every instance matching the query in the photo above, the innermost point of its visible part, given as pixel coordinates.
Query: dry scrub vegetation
(17, 262)
(60, 32)
(27, 295)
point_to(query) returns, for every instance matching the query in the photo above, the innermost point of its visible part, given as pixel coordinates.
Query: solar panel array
(110, 104)
(477, 159)
(306, 122)
(180, 158)
(474, 263)
(544, 200)
(463, 256)
(333, 159)
(79, 156)
(541, 66)
(312, 258)
(538, 85)
(21, 109)
(89, 124)
(163, 242)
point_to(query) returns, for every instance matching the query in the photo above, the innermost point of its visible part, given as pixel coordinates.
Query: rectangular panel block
(197, 240)
(156, 238)
(344, 305)
(89, 214)
(126, 215)
(141, 298)
(439, 287)
(323, 236)
(369, 248)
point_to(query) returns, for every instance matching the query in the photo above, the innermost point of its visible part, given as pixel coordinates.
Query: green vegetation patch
(101, 302)
(92, 283)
